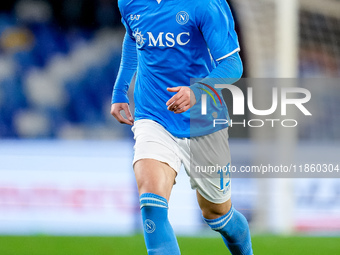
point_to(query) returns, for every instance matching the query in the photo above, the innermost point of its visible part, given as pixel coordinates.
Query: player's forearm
(127, 69)
(228, 71)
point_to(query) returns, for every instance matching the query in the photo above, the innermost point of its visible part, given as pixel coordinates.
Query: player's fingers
(183, 104)
(174, 89)
(183, 109)
(115, 111)
(180, 105)
(172, 107)
(183, 100)
(177, 103)
(176, 96)
(173, 99)
(121, 119)
(127, 112)
(188, 101)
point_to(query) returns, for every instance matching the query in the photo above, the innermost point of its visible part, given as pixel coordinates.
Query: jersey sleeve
(127, 28)
(127, 69)
(121, 5)
(228, 71)
(216, 23)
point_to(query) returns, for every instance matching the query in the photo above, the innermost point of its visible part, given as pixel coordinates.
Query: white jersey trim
(229, 54)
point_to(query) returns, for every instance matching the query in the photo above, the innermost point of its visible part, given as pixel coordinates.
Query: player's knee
(212, 210)
(213, 213)
(147, 186)
(154, 177)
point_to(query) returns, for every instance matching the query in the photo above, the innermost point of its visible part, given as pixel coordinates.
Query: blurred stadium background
(65, 164)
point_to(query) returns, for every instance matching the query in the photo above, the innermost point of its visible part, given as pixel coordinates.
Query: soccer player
(167, 42)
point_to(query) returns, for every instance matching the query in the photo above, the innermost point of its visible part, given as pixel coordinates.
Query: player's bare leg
(153, 176)
(210, 210)
(230, 223)
(155, 181)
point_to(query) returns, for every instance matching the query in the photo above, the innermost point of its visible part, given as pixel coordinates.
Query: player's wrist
(119, 97)
(193, 99)
(196, 92)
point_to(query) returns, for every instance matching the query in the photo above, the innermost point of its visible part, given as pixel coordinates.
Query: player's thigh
(156, 161)
(155, 177)
(207, 165)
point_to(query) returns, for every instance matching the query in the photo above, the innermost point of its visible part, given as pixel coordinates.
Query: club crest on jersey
(140, 40)
(182, 17)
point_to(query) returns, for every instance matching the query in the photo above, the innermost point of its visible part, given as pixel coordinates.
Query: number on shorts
(227, 174)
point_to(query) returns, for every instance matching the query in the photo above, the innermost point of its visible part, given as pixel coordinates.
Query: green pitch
(134, 245)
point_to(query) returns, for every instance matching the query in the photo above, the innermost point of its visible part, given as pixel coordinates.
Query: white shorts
(206, 159)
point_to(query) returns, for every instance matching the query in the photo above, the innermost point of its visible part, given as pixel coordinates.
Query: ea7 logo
(134, 17)
(169, 39)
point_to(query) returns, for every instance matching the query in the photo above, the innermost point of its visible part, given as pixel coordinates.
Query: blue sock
(235, 232)
(159, 236)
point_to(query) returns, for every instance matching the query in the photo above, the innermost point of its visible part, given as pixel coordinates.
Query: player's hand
(117, 108)
(182, 100)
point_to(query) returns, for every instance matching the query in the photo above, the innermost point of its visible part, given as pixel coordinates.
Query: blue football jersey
(177, 40)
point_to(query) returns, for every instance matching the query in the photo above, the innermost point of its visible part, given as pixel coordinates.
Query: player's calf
(159, 236)
(234, 229)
